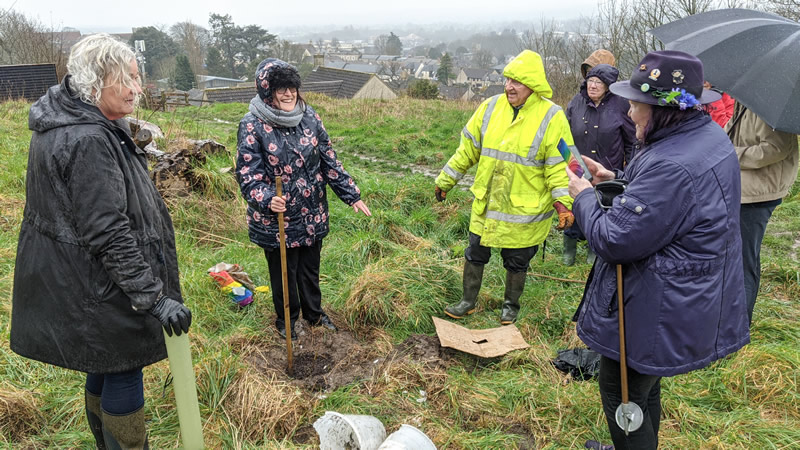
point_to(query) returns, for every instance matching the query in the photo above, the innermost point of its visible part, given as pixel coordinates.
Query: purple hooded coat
(675, 231)
(602, 132)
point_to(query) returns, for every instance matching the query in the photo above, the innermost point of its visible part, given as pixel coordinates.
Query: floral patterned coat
(305, 160)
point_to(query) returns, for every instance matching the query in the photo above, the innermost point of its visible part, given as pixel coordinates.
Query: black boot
(123, 432)
(515, 283)
(570, 248)
(93, 415)
(471, 281)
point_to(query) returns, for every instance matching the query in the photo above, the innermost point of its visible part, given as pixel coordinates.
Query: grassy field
(383, 278)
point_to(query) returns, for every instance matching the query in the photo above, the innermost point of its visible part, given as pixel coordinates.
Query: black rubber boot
(471, 281)
(123, 432)
(515, 283)
(570, 247)
(93, 415)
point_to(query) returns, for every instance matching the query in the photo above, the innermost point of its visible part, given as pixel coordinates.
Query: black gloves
(173, 315)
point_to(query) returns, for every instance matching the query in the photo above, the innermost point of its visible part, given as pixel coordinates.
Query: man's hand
(440, 194)
(565, 217)
(172, 314)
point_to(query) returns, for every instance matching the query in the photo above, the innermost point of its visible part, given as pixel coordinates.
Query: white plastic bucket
(407, 438)
(348, 431)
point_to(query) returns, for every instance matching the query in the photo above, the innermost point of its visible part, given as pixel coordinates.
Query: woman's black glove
(172, 314)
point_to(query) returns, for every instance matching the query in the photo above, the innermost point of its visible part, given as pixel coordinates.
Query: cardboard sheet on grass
(484, 343)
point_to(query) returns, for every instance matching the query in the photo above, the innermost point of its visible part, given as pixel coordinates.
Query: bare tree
(562, 54)
(288, 51)
(625, 23)
(194, 40)
(482, 58)
(786, 8)
(393, 73)
(27, 41)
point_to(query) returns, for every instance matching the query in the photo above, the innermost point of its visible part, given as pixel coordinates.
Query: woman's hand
(577, 184)
(598, 172)
(278, 204)
(360, 206)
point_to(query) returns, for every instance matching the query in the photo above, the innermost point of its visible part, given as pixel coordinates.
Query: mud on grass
(265, 401)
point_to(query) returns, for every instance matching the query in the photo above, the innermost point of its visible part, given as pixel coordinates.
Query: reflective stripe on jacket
(520, 170)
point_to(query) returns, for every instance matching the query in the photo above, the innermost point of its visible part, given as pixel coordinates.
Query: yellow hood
(527, 68)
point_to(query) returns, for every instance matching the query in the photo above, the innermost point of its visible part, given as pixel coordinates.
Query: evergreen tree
(184, 77)
(215, 65)
(393, 45)
(445, 72)
(423, 89)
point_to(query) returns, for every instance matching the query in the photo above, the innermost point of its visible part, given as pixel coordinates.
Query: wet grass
(386, 276)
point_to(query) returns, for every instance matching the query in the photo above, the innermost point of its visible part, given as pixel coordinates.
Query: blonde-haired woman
(96, 275)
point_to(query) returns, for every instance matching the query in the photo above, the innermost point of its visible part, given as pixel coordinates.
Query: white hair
(97, 61)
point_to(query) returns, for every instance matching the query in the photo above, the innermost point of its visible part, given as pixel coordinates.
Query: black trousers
(644, 390)
(302, 269)
(753, 225)
(515, 260)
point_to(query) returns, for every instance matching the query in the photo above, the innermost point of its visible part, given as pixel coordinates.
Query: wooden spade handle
(623, 365)
(285, 278)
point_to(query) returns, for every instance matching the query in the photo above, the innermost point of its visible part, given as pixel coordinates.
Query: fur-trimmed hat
(274, 74)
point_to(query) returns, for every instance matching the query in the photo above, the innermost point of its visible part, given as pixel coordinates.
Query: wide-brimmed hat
(667, 78)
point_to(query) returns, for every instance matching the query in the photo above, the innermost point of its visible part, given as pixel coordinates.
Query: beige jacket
(767, 157)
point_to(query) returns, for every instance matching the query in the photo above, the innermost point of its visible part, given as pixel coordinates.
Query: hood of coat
(528, 69)
(606, 73)
(601, 56)
(273, 74)
(60, 107)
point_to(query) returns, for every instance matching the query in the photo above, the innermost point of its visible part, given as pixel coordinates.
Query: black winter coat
(602, 132)
(96, 244)
(305, 160)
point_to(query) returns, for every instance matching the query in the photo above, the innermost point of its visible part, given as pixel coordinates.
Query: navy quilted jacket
(675, 231)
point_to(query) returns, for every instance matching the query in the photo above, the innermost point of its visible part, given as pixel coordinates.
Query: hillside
(382, 279)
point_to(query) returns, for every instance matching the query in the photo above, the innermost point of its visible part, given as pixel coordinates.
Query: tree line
(224, 48)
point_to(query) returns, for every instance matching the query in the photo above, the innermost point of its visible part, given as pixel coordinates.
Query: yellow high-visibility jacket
(521, 172)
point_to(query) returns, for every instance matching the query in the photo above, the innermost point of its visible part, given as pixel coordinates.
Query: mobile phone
(567, 150)
(577, 155)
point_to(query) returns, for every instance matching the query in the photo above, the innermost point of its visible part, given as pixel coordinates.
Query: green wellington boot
(515, 283)
(590, 256)
(473, 276)
(570, 247)
(122, 432)
(93, 415)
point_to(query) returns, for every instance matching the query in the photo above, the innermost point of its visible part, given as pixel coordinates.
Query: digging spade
(287, 320)
(628, 415)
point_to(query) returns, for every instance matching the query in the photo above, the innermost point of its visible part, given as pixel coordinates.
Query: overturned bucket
(348, 431)
(407, 438)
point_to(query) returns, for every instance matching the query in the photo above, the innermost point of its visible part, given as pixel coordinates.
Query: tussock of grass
(262, 407)
(20, 415)
(387, 293)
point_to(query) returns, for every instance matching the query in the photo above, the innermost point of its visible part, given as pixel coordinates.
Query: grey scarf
(275, 116)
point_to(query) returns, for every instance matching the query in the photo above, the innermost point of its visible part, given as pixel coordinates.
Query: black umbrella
(753, 56)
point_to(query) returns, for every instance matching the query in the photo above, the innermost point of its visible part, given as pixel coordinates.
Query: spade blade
(629, 417)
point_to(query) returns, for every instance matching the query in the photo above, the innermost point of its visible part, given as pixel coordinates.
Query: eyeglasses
(282, 91)
(594, 82)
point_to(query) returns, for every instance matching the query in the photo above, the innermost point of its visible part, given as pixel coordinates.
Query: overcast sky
(114, 16)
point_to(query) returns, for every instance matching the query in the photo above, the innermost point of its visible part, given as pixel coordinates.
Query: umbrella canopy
(753, 56)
